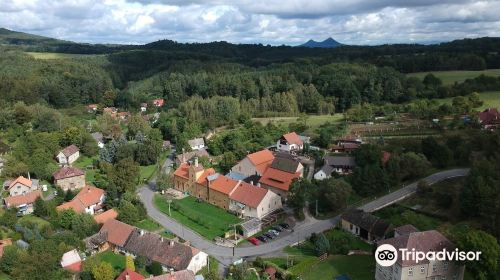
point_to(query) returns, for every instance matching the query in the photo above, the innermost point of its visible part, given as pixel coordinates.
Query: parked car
(262, 238)
(254, 241)
(272, 231)
(270, 236)
(278, 228)
(285, 225)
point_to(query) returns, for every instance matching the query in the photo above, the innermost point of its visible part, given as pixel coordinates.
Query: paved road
(301, 231)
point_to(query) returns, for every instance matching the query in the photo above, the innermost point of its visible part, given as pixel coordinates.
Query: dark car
(270, 236)
(262, 238)
(278, 228)
(285, 225)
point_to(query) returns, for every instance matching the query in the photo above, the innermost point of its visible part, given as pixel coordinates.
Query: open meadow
(450, 77)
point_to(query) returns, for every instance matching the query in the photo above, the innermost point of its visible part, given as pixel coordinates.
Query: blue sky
(252, 21)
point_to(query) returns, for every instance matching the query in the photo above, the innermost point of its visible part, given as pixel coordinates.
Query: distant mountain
(328, 43)
(10, 37)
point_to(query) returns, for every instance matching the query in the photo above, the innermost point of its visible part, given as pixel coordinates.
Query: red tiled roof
(385, 157)
(261, 157)
(117, 232)
(21, 180)
(293, 138)
(177, 275)
(204, 176)
(489, 116)
(426, 241)
(248, 194)
(106, 216)
(75, 267)
(158, 102)
(67, 172)
(278, 178)
(87, 196)
(68, 151)
(223, 184)
(17, 200)
(132, 275)
(182, 171)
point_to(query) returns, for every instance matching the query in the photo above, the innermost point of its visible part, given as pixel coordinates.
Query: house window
(422, 269)
(410, 271)
(434, 268)
(443, 277)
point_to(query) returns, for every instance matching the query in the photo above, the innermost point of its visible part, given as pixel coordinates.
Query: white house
(21, 185)
(290, 142)
(89, 200)
(68, 155)
(253, 201)
(338, 164)
(144, 107)
(196, 144)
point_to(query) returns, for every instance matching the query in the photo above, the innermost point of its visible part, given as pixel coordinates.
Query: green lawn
(398, 216)
(116, 260)
(356, 267)
(207, 220)
(4, 276)
(148, 225)
(148, 171)
(90, 175)
(489, 98)
(33, 219)
(84, 161)
(450, 77)
(313, 121)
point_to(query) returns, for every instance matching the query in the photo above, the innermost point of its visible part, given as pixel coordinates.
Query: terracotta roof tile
(21, 180)
(106, 216)
(87, 196)
(22, 199)
(261, 157)
(203, 177)
(223, 184)
(293, 138)
(67, 172)
(177, 275)
(129, 274)
(278, 179)
(249, 195)
(117, 232)
(182, 171)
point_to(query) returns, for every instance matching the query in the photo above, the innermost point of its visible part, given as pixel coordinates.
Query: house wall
(198, 261)
(72, 183)
(436, 270)
(61, 158)
(19, 189)
(72, 158)
(245, 167)
(283, 194)
(352, 228)
(269, 203)
(321, 175)
(181, 184)
(218, 199)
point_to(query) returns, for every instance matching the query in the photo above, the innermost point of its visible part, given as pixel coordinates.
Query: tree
(84, 225)
(40, 208)
(136, 124)
(127, 212)
(487, 267)
(124, 175)
(368, 155)
(336, 192)
(164, 181)
(227, 161)
(103, 271)
(9, 217)
(66, 218)
(129, 263)
(321, 244)
(155, 268)
(9, 258)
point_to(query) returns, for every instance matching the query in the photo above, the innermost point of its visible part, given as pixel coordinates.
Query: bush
(155, 268)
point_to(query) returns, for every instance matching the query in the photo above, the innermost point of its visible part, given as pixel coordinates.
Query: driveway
(301, 231)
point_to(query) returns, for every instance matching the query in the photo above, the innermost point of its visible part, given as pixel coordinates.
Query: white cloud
(252, 21)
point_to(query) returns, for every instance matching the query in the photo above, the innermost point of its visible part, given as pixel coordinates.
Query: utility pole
(316, 208)
(169, 201)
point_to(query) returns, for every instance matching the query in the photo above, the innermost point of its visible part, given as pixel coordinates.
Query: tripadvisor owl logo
(386, 255)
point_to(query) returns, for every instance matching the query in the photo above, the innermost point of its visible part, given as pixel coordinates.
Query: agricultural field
(491, 99)
(207, 220)
(46, 55)
(312, 121)
(450, 77)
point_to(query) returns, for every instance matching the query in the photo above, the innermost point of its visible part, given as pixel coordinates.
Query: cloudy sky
(254, 21)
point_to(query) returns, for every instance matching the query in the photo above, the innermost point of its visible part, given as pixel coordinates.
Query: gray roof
(340, 161)
(285, 162)
(373, 224)
(196, 142)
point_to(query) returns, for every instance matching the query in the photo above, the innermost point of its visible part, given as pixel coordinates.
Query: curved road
(301, 231)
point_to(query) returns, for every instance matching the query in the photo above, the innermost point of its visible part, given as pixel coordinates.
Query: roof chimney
(251, 182)
(127, 276)
(29, 176)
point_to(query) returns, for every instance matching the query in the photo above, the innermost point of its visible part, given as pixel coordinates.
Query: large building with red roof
(253, 201)
(69, 178)
(254, 163)
(489, 119)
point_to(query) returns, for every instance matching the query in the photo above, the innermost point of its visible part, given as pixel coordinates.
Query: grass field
(148, 225)
(356, 267)
(33, 219)
(44, 55)
(117, 261)
(450, 77)
(491, 99)
(207, 220)
(313, 121)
